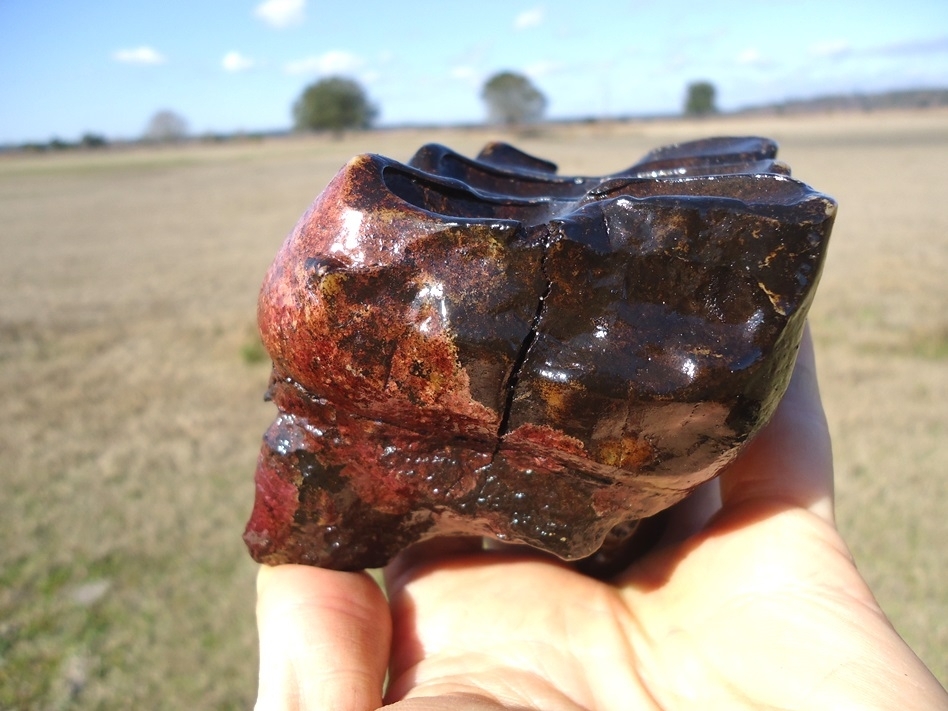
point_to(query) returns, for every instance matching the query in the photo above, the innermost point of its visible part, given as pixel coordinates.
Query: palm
(735, 616)
(752, 601)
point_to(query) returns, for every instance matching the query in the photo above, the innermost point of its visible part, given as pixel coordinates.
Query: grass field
(131, 383)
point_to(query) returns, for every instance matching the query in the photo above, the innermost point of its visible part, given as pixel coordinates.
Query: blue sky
(106, 66)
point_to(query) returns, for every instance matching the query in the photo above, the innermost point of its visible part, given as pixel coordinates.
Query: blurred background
(106, 68)
(153, 156)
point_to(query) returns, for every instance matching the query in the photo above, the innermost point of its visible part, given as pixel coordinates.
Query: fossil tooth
(485, 347)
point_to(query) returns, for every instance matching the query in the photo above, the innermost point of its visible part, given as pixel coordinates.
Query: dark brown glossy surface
(482, 346)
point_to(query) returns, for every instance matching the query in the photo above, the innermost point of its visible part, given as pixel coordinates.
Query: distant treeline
(95, 141)
(906, 99)
(88, 140)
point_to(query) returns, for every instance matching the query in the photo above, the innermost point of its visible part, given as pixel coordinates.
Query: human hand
(751, 601)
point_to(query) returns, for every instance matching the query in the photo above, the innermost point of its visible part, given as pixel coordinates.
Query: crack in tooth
(511, 384)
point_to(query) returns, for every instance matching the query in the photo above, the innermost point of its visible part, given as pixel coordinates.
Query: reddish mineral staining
(484, 347)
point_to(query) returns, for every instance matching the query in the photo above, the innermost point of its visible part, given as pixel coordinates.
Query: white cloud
(467, 74)
(335, 61)
(236, 62)
(543, 68)
(464, 72)
(913, 46)
(529, 18)
(830, 48)
(281, 13)
(371, 77)
(751, 55)
(139, 55)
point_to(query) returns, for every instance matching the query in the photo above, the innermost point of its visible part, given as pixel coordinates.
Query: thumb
(791, 459)
(324, 639)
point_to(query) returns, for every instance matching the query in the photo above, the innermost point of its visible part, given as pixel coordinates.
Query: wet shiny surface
(482, 346)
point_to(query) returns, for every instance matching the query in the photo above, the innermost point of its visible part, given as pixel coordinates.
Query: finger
(428, 553)
(436, 549)
(692, 514)
(791, 459)
(324, 639)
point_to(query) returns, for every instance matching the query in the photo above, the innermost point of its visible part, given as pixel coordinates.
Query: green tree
(700, 99)
(166, 126)
(334, 104)
(93, 140)
(512, 99)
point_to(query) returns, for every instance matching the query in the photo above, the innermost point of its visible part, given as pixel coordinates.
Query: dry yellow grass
(131, 386)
